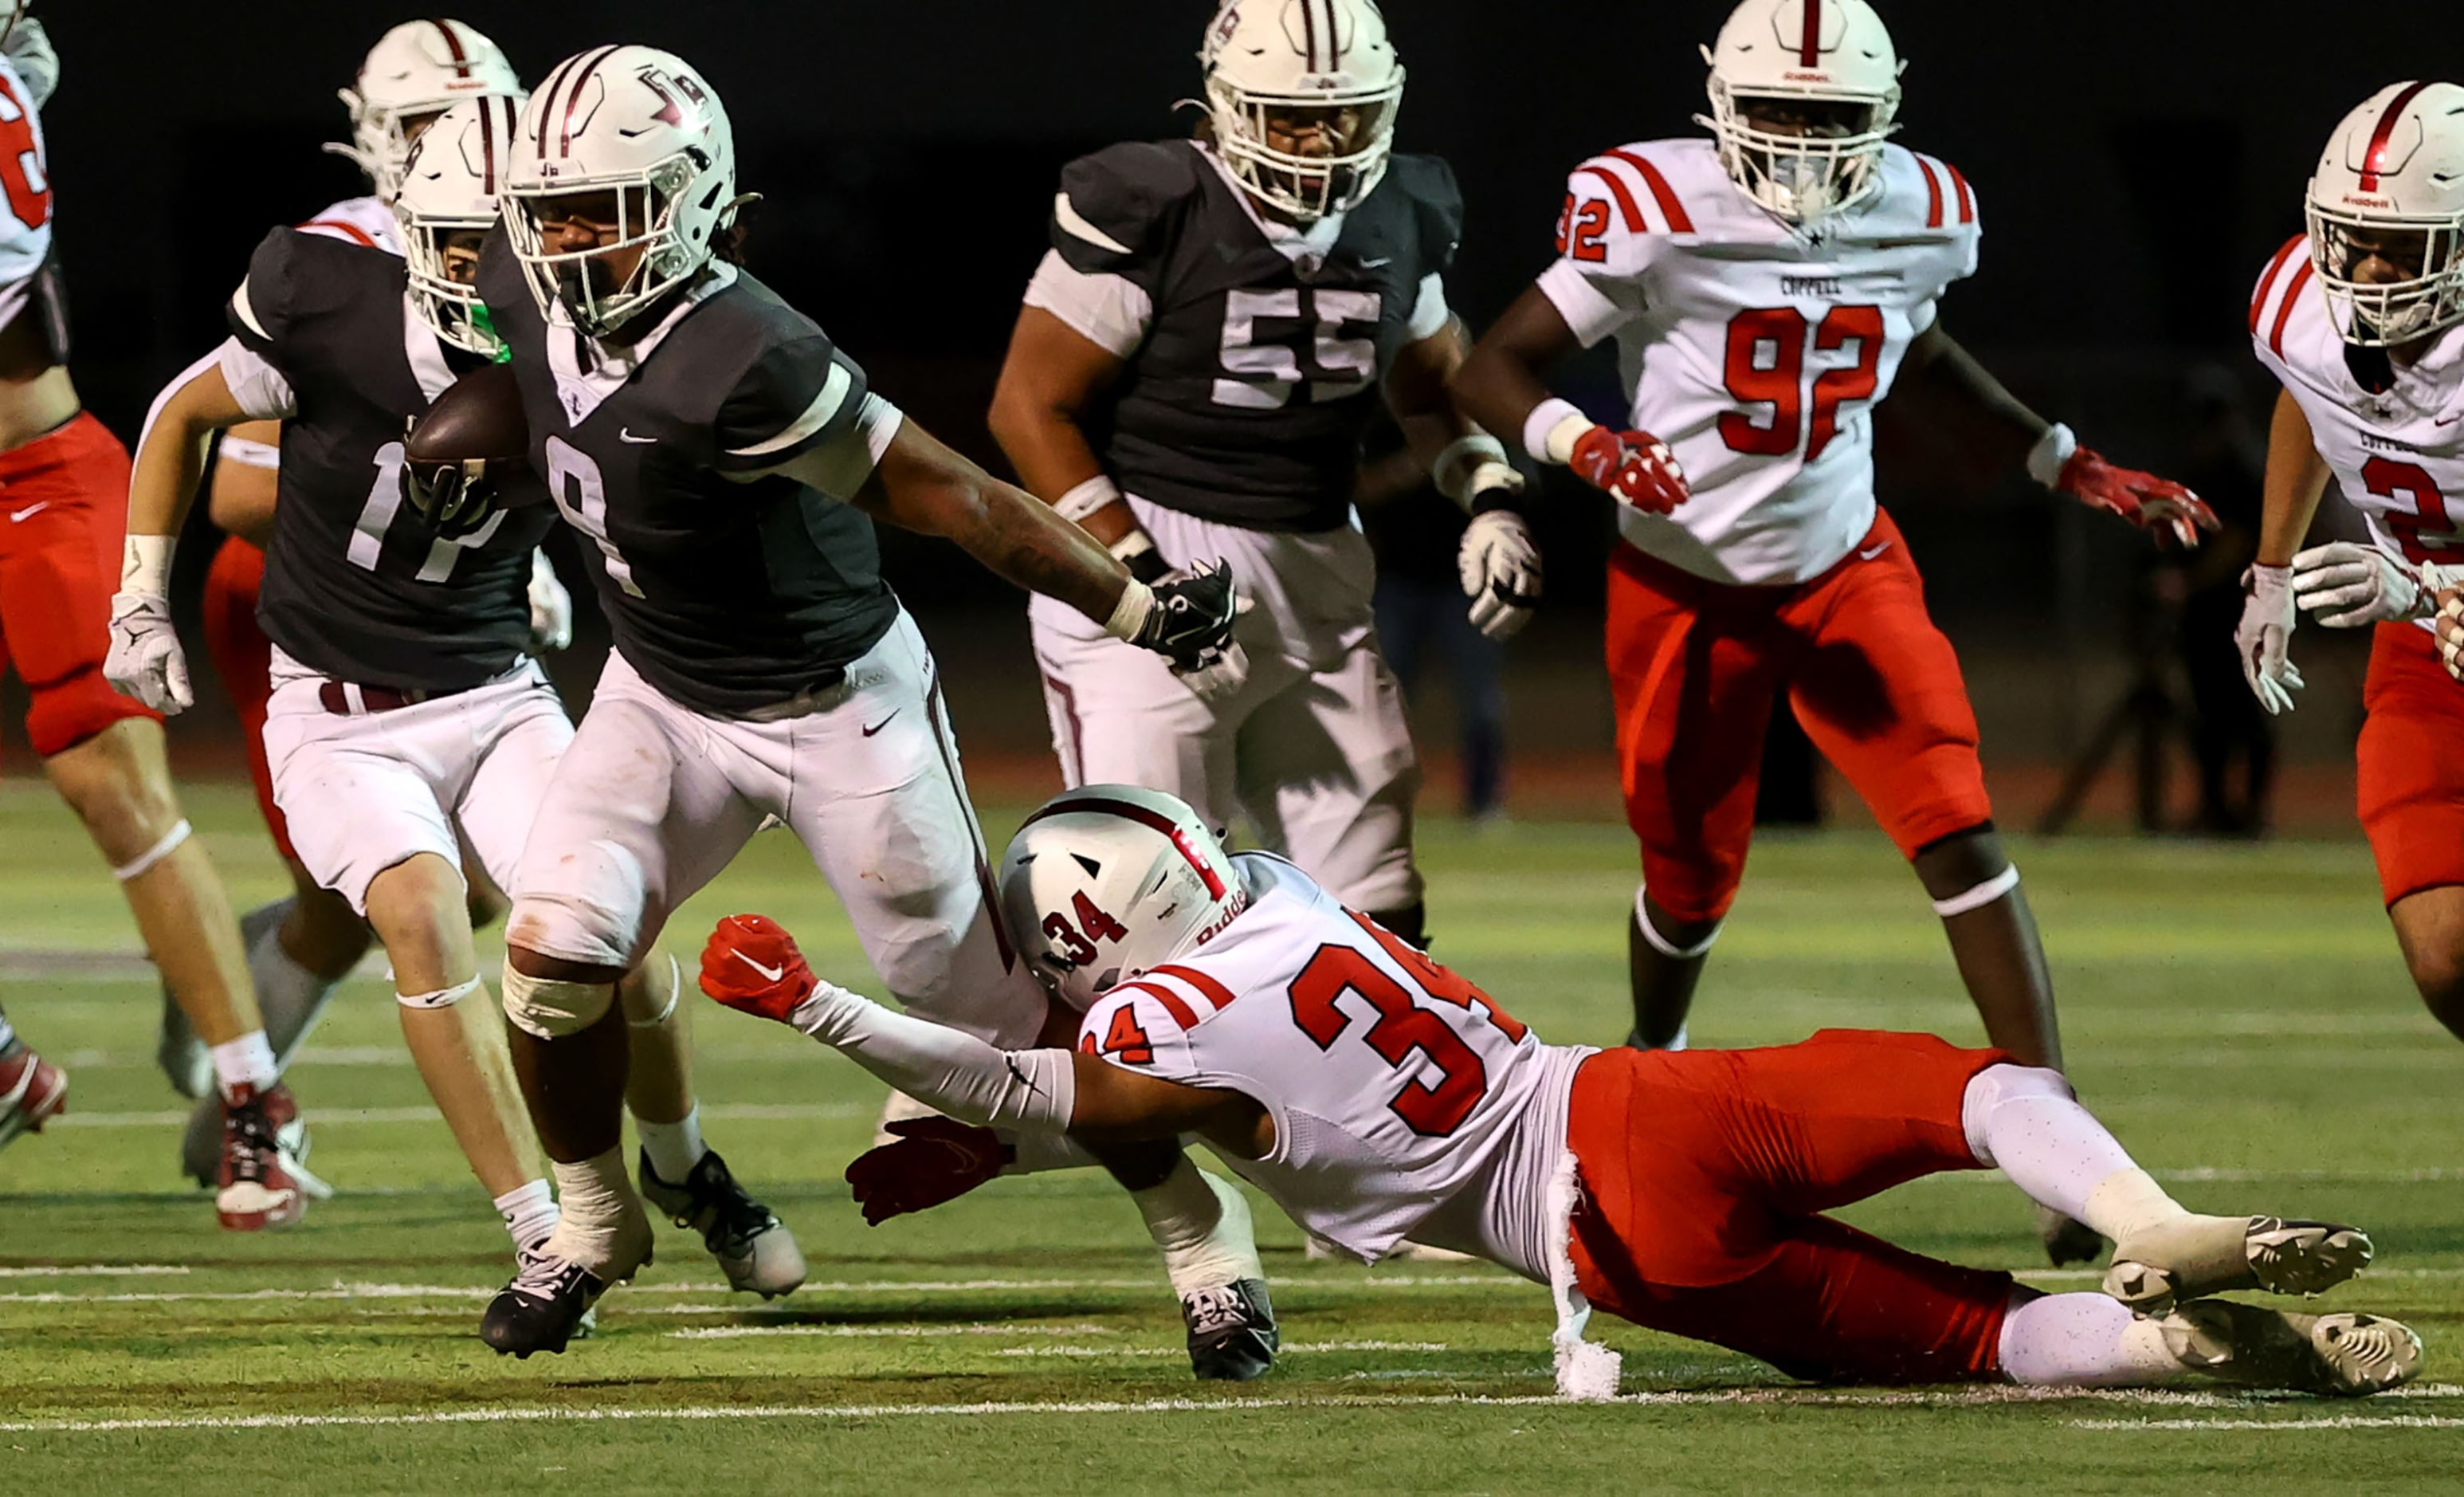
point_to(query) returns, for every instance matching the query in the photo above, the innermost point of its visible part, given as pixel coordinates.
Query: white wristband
(1087, 499)
(146, 566)
(1539, 426)
(2051, 452)
(1130, 614)
(1465, 458)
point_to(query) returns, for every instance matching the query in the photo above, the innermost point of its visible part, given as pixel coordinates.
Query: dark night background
(2134, 163)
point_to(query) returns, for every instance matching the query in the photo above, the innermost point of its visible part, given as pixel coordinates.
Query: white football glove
(146, 661)
(2266, 619)
(551, 607)
(1500, 566)
(2346, 586)
(2448, 632)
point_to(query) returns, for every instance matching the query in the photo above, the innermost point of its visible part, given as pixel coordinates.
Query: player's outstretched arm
(1498, 561)
(1936, 363)
(1501, 386)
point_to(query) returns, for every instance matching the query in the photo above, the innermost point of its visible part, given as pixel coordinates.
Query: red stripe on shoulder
(1671, 206)
(1627, 208)
(2267, 280)
(1933, 192)
(1207, 987)
(2284, 308)
(1967, 199)
(340, 228)
(1172, 1003)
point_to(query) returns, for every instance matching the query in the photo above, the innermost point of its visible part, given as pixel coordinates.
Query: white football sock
(601, 1224)
(289, 995)
(1202, 1225)
(529, 1212)
(674, 1148)
(244, 1062)
(2086, 1341)
(2024, 1119)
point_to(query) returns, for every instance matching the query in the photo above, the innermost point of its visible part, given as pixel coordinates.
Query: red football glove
(935, 1159)
(2145, 501)
(1634, 467)
(752, 965)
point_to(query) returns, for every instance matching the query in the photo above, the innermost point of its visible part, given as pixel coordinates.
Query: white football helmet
(639, 123)
(1108, 881)
(2393, 169)
(1327, 58)
(418, 69)
(1810, 52)
(449, 186)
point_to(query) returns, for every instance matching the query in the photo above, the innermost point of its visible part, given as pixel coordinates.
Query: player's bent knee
(550, 1008)
(1995, 1085)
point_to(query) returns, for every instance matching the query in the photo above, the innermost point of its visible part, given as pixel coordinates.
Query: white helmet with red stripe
(1326, 63)
(640, 125)
(1108, 881)
(448, 199)
(415, 72)
(2389, 190)
(1829, 62)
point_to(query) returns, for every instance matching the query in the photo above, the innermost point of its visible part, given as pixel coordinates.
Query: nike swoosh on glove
(146, 660)
(1635, 468)
(1500, 566)
(2266, 628)
(751, 965)
(1191, 626)
(935, 1161)
(2145, 501)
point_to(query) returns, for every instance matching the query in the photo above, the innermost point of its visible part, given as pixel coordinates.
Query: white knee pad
(1995, 1085)
(551, 1009)
(442, 998)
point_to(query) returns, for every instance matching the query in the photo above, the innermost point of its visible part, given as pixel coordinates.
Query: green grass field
(2238, 1014)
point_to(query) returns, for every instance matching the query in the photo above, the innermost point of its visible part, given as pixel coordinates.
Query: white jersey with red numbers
(2398, 454)
(1755, 352)
(1405, 1102)
(358, 220)
(26, 185)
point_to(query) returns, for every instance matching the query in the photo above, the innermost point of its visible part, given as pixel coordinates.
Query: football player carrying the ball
(726, 464)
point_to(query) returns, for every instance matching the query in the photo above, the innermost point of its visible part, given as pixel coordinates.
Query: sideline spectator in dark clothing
(2229, 728)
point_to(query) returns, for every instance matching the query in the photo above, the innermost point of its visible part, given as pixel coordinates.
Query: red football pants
(1704, 1175)
(63, 513)
(2411, 764)
(244, 658)
(1696, 665)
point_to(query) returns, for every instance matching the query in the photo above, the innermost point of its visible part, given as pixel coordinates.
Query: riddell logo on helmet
(2356, 200)
(1807, 77)
(1239, 902)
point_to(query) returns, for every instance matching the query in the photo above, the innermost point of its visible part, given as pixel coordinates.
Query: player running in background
(301, 945)
(410, 718)
(63, 483)
(727, 463)
(1374, 1094)
(1766, 288)
(2359, 320)
(1200, 354)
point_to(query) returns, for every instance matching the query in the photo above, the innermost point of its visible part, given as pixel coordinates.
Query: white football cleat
(2197, 1256)
(2346, 1356)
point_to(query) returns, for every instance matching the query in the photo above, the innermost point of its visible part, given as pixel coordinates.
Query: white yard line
(328, 1117)
(379, 1291)
(2327, 1421)
(100, 1270)
(737, 1332)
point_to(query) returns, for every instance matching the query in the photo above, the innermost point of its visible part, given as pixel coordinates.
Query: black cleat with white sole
(754, 1249)
(546, 1305)
(1232, 1334)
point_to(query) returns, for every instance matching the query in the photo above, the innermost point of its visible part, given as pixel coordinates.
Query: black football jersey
(1248, 399)
(357, 585)
(730, 596)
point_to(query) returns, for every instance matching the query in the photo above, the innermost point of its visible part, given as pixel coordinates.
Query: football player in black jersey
(1199, 358)
(408, 716)
(727, 464)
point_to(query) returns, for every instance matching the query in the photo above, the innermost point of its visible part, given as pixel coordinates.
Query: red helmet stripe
(453, 46)
(1308, 33)
(2267, 282)
(1333, 36)
(1809, 45)
(1671, 206)
(547, 97)
(1172, 1003)
(1152, 821)
(2284, 309)
(573, 96)
(2374, 160)
(1213, 992)
(487, 148)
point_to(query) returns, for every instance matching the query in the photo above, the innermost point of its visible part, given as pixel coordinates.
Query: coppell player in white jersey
(1766, 287)
(2362, 320)
(1374, 1094)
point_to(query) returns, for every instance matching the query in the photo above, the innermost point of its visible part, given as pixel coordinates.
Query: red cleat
(258, 1189)
(33, 1091)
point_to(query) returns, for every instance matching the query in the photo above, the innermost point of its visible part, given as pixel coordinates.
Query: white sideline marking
(113, 1270)
(357, 1292)
(733, 1333)
(1173, 1350)
(328, 1117)
(2330, 1421)
(1806, 1398)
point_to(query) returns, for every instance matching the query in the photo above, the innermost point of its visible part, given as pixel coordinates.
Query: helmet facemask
(2427, 299)
(1831, 165)
(450, 305)
(1357, 125)
(576, 286)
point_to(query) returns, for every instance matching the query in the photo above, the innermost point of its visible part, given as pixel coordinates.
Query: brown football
(477, 419)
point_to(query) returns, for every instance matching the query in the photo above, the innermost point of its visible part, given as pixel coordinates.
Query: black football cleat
(1232, 1335)
(546, 1305)
(753, 1246)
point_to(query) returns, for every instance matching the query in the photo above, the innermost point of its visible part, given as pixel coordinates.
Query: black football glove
(1191, 623)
